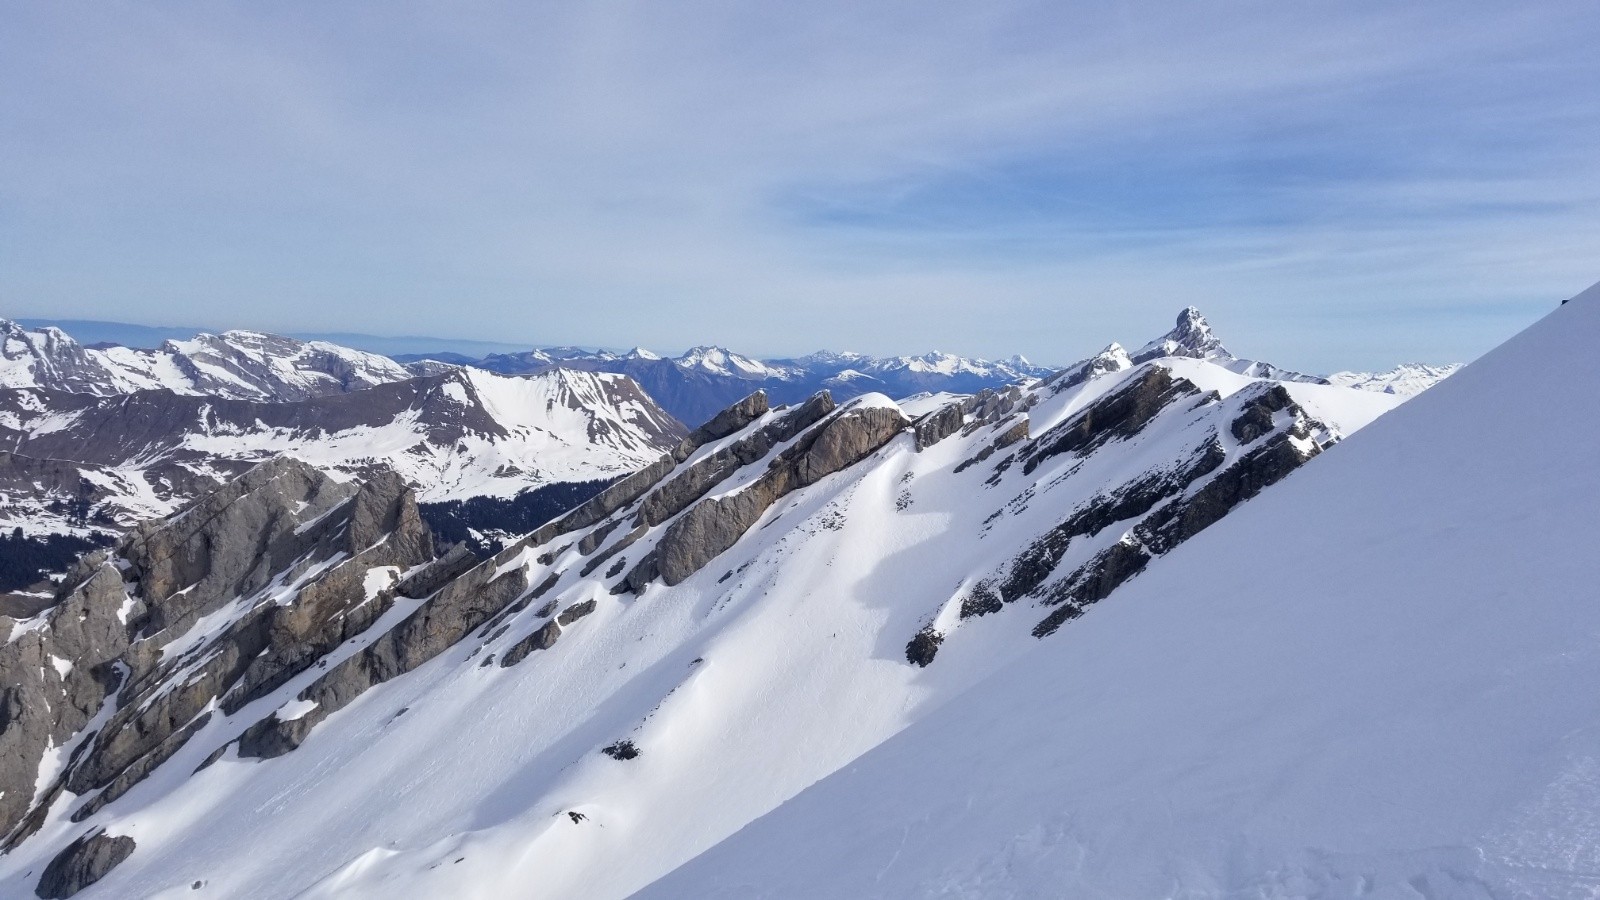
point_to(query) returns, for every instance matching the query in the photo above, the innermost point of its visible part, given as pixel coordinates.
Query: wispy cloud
(1347, 183)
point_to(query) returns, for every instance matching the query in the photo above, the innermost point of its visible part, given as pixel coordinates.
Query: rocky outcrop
(729, 421)
(922, 648)
(1256, 419)
(712, 526)
(281, 560)
(443, 619)
(453, 564)
(543, 638)
(84, 862)
(1180, 519)
(675, 495)
(1121, 414)
(223, 546)
(939, 424)
(56, 677)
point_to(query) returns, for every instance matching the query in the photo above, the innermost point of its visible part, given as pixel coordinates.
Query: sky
(1335, 184)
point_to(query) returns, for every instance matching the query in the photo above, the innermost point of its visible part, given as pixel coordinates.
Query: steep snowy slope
(241, 365)
(631, 684)
(464, 433)
(1377, 680)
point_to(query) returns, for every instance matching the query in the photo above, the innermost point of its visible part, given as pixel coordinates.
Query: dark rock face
(1175, 522)
(621, 750)
(981, 601)
(575, 612)
(1111, 359)
(712, 526)
(1121, 414)
(542, 639)
(1256, 419)
(84, 862)
(733, 419)
(1017, 432)
(447, 568)
(920, 651)
(695, 481)
(1250, 475)
(1032, 566)
(939, 424)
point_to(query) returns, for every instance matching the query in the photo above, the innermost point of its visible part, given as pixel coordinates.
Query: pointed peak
(1191, 336)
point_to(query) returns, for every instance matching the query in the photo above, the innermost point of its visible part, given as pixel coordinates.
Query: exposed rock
(40, 707)
(1256, 419)
(575, 612)
(141, 767)
(542, 639)
(1017, 432)
(1191, 336)
(1121, 414)
(980, 601)
(1030, 568)
(84, 862)
(603, 504)
(1249, 476)
(939, 424)
(592, 541)
(273, 737)
(621, 750)
(441, 621)
(920, 651)
(989, 406)
(224, 546)
(712, 526)
(689, 485)
(456, 561)
(731, 420)
(1093, 582)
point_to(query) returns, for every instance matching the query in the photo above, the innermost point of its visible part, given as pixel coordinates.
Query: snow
(295, 709)
(1373, 680)
(1407, 379)
(237, 364)
(778, 664)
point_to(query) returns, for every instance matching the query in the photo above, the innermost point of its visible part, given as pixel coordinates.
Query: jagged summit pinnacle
(1191, 336)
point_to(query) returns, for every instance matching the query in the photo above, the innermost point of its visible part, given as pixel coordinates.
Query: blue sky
(1335, 184)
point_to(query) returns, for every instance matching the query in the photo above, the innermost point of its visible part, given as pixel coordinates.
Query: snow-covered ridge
(244, 365)
(464, 433)
(630, 685)
(1374, 681)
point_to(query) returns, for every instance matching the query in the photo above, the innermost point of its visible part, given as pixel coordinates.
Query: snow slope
(1376, 680)
(719, 695)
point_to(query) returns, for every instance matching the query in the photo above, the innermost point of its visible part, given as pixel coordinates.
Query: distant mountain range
(128, 433)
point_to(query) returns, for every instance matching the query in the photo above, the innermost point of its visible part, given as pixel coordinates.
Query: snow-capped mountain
(630, 684)
(239, 365)
(702, 381)
(1289, 706)
(1406, 379)
(463, 433)
(1192, 337)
